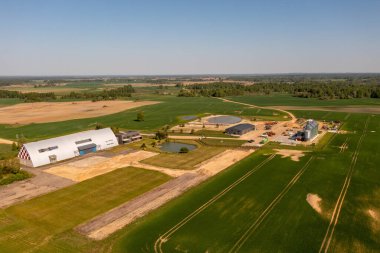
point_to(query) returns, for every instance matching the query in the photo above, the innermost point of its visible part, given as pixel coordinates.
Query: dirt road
(4, 141)
(293, 118)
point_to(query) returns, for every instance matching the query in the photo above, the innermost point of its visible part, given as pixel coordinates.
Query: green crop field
(30, 225)
(156, 116)
(255, 213)
(260, 204)
(9, 101)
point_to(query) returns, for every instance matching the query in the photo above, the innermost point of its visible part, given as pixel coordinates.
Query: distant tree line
(110, 94)
(312, 89)
(29, 96)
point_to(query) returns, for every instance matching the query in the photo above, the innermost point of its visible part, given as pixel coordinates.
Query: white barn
(35, 154)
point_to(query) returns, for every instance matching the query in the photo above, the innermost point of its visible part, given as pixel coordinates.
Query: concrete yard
(41, 183)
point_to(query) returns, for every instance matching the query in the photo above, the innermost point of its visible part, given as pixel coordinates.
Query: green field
(30, 225)
(257, 205)
(9, 101)
(288, 100)
(156, 116)
(291, 222)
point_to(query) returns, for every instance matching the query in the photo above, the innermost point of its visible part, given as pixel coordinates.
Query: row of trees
(28, 97)
(111, 94)
(124, 91)
(322, 90)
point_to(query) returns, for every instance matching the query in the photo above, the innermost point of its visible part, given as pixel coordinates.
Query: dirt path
(102, 226)
(293, 118)
(4, 141)
(339, 203)
(43, 112)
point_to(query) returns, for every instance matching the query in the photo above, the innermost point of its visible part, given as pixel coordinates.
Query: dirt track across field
(350, 109)
(42, 112)
(102, 226)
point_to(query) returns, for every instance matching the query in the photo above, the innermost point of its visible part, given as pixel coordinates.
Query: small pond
(175, 147)
(224, 120)
(189, 117)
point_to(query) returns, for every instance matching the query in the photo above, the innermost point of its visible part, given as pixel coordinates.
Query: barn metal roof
(65, 147)
(240, 127)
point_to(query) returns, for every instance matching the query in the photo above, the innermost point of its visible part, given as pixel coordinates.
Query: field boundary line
(339, 203)
(252, 228)
(166, 236)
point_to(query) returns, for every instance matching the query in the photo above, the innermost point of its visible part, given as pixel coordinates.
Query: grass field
(9, 101)
(288, 100)
(32, 224)
(257, 205)
(237, 221)
(6, 151)
(156, 116)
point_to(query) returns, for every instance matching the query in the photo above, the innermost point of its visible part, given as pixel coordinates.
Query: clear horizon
(132, 38)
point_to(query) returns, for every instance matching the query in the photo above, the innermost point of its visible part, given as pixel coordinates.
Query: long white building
(35, 154)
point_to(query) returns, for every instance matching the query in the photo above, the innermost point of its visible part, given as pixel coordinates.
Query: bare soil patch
(314, 201)
(42, 112)
(97, 165)
(375, 219)
(294, 155)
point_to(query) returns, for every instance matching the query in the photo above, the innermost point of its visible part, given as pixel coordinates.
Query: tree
(184, 150)
(192, 131)
(115, 129)
(153, 144)
(143, 146)
(14, 146)
(99, 126)
(140, 116)
(160, 135)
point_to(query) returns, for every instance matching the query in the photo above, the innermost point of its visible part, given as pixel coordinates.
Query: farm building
(35, 154)
(129, 136)
(240, 129)
(310, 130)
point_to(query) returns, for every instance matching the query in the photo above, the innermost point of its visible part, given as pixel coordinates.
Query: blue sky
(83, 37)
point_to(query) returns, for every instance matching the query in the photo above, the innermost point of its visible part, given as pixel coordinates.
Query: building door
(53, 158)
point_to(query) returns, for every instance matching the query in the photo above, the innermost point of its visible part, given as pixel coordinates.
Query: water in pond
(224, 120)
(189, 117)
(175, 147)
